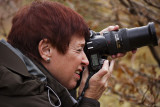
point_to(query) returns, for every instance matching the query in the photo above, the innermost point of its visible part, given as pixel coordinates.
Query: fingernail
(113, 56)
(134, 51)
(119, 54)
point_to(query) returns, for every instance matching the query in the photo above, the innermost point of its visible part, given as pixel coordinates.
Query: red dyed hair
(49, 20)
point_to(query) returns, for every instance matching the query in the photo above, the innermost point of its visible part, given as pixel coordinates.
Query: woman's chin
(71, 86)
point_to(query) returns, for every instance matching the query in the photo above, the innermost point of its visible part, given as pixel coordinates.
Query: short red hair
(49, 20)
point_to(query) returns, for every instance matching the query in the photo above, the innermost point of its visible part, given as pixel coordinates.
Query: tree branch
(151, 4)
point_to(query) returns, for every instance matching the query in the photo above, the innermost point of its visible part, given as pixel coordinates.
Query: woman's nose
(85, 61)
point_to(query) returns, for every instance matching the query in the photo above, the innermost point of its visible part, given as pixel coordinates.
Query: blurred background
(136, 78)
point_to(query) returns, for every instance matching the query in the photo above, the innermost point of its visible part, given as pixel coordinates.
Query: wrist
(91, 95)
(89, 102)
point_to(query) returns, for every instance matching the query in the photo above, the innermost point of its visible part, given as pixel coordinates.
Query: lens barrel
(113, 42)
(128, 39)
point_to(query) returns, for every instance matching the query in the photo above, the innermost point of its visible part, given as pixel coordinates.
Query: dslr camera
(121, 41)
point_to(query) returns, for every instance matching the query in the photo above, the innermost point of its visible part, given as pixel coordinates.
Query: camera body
(113, 42)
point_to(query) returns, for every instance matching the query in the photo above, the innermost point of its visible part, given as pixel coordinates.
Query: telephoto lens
(125, 39)
(120, 41)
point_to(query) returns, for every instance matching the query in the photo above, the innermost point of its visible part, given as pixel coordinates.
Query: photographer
(43, 57)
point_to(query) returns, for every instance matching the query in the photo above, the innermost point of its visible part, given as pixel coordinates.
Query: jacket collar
(10, 59)
(15, 60)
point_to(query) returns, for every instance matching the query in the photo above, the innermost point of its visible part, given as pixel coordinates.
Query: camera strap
(84, 89)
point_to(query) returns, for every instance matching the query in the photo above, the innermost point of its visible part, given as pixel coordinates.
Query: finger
(134, 51)
(106, 84)
(83, 81)
(110, 70)
(104, 30)
(110, 28)
(116, 27)
(121, 54)
(111, 66)
(105, 78)
(105, 65)
(113, 56)
(103, 70)
(85, 74)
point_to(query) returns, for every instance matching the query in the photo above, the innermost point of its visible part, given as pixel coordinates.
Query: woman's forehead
(78, 41)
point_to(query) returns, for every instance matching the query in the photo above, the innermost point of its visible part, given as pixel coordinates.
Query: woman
(43, 58)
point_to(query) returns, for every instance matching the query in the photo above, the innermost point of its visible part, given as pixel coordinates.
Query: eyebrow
(82, 44)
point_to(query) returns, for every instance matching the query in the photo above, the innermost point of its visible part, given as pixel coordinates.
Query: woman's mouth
(78, 72)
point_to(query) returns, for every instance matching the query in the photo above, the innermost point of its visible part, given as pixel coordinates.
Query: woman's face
(67, 67)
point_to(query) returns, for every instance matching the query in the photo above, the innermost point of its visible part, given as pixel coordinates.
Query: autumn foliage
(136, 78)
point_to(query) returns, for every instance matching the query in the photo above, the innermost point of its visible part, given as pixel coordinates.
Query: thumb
(104, 70)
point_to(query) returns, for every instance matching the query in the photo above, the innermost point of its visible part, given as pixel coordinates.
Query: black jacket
(26, 83)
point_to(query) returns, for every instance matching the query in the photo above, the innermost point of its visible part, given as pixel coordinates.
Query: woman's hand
(112, 28)
(98, 82)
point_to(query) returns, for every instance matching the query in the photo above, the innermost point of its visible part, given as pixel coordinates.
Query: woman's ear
(44, 49)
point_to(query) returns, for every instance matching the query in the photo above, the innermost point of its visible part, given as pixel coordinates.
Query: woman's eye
(79, 50)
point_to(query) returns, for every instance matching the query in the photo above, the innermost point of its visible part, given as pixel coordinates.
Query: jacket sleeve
(88, 102)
